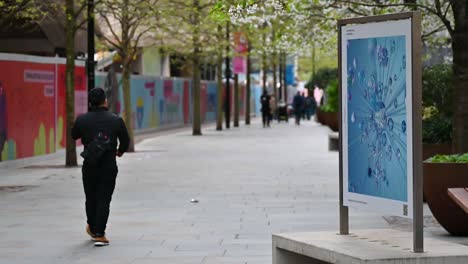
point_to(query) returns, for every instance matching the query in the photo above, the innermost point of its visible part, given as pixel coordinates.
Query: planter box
(331, 120)
(320, 116)
(438, 178)
(430, 150)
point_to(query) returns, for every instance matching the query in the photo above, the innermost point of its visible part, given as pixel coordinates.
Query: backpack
(95, 150)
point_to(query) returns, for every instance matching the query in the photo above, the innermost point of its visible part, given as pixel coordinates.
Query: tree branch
(352, 10)
(109, 25)
(443, 18)
(438, 29)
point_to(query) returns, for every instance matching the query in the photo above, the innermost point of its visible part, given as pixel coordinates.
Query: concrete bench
(460, 197)
(333, 141)
(363, 247)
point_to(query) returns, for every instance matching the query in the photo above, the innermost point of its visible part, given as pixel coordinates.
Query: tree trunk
(273, 64)
(112, 89)
(313, 62)
(127, 57)
(460, 82)
(196, 95)
(275, 80)
(284, 76)
(279, 59)
(247, 87)
(227, 103)
(128, 115)
(236, 100)
(264, 64)
(196, 69)
(70, 153)
(219, 79)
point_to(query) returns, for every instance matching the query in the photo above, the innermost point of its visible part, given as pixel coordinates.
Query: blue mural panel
(211, 101)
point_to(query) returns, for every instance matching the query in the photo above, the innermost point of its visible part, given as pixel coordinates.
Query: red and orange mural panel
(32, 94)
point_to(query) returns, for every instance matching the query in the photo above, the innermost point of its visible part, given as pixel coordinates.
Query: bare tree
(185, 23)
(127, 22)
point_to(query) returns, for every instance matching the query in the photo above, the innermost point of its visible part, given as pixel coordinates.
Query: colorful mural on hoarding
(27, 81)
(81, 100)
(159, 103)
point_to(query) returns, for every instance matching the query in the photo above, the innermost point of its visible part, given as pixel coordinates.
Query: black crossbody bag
(96, 149)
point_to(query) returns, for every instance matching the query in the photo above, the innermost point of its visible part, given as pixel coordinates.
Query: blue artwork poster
(377, 117)
(376, 81)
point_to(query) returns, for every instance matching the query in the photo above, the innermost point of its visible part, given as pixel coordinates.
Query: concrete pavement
(250, 182)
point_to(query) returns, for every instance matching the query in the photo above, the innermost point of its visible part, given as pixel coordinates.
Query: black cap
(97, 96)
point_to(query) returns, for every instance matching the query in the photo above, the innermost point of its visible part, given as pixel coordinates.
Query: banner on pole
(241, 48)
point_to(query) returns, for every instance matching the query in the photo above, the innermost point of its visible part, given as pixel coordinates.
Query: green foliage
(437, 130)
(437, 104)
(323, 59)
(19, 13)
(218, 13)
(437, 88)
(457, 158)
(332, 97)
(323, 78)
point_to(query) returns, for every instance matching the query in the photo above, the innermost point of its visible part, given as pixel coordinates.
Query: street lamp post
(91, 50)
(228, 75)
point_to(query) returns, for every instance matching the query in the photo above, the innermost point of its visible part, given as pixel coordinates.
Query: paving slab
(251, 182)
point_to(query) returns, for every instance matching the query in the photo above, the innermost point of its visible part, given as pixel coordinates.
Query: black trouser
(266, 118)
(99, 184)
(298, 115)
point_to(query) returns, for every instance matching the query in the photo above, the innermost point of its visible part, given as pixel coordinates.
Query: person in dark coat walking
(298, 104)
(311, 105)
(303, 114)
(99, 130)
(266, 111)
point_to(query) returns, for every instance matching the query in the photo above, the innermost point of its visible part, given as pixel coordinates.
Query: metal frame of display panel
(417, 184)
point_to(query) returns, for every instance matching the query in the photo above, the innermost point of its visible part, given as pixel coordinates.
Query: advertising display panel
(377, 115)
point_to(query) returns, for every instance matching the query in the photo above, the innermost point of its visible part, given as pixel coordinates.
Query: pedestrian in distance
(99, 131)
(272, 108)
(304, 108)
(266, 111)
(311, 105)
(298, 104)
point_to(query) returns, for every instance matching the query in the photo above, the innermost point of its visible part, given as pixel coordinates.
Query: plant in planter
(437, 136)
(322, 78)
(437, 110)
(441, 173)
(330, 109)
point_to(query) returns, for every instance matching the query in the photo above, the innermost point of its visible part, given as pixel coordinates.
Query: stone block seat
(377, 246)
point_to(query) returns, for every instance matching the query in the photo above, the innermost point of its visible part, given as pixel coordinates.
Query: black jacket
(87, 126)
(265, 101)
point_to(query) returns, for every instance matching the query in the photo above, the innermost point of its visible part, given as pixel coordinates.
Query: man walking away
(298, 104)
(303, 114)
(99, 131)
(265, 101)
(311, 105)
